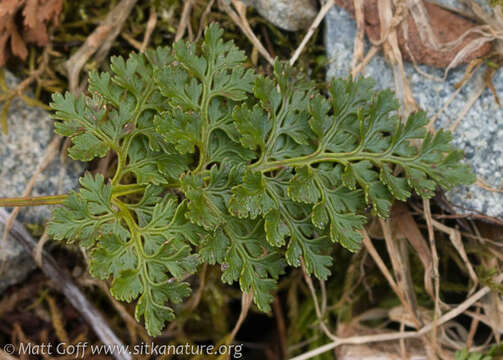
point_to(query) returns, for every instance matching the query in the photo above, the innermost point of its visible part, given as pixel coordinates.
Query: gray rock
(291, 15)
(480, 133)
(461, 7)
(21, 151)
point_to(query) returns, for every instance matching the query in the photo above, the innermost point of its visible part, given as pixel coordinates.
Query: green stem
(118, 190)
(122, 151)
(137, 243)
(342, 158)
(32, 201)
(204, 131)
(207, 82)
(120, 163)
(123, 190)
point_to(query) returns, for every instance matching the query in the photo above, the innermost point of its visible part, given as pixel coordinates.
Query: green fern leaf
(217, 165)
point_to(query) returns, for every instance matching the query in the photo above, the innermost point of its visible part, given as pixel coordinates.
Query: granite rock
(447, 27)
(291, 15)
(479, 134)
(21, 151)
(461, 7)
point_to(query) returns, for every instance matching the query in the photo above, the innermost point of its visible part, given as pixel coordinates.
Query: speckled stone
(480, 133)
(291, 15)
(21, 151)
(459, 6)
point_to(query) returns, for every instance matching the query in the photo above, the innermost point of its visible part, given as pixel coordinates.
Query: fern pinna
(218, 165)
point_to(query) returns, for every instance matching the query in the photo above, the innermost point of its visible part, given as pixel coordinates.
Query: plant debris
(452, 32)
(36, 14)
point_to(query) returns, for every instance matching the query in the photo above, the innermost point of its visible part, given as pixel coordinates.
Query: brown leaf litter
(447, 28)
(36, 14)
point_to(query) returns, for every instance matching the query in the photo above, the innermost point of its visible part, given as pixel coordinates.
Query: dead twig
(202, 24)
(246, 300)
(436, 275)
(317, 308)
(470, 70)
(241, 21)
(196, 299)
(151, 23)
(57, 321)
(370, 54)
(131, 40)
(384, 270)
(184, 20)
(401, 269)
(317, 20)
(359, 43)
(410, 230)
(473, 329)
(99, 42)
(37, 252)
(458, 310)
(455, 237)
(477, 92)
(280, 324)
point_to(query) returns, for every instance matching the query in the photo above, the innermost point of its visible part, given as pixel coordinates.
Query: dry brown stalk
(205, 14)
(317, 20)
(458, 310)
(401, 269)
(184, 20)
(411, 232)
(99, 42)
(240, 20)
(246, 300)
